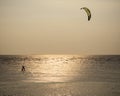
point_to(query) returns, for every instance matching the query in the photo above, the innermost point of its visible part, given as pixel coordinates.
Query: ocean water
(60, 75)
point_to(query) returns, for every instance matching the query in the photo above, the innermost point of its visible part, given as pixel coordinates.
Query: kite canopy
(88, 12)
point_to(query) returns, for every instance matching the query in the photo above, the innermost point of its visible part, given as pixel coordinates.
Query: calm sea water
(60, 75)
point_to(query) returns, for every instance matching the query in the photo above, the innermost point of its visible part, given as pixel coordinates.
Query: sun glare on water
(51, 68)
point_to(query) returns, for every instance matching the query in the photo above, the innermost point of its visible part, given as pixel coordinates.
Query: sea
(60, 75)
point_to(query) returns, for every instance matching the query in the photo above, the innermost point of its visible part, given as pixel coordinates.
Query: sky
(59, 27)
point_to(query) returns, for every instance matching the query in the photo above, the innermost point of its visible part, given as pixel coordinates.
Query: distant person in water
(23, 68)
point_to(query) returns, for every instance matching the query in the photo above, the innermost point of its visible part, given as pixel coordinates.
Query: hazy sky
(59, 27)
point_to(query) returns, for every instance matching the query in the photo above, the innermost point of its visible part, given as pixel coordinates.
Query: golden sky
(59, 27)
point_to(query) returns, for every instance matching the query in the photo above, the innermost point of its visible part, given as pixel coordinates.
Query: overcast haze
(59, 27)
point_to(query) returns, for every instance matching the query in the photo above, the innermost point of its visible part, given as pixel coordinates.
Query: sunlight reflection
(55, 68)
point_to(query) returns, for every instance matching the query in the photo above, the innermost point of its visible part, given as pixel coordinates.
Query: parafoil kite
(87, 11)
